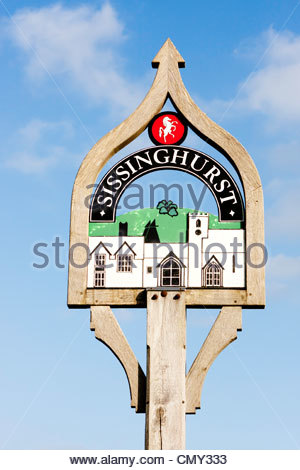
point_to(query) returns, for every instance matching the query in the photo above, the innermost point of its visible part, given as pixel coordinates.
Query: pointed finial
(169, 53)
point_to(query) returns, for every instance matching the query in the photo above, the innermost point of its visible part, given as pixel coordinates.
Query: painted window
(213, 276)
(198, 223)
(100, 261)
(99, 273)
(170, 273)
(125, 263)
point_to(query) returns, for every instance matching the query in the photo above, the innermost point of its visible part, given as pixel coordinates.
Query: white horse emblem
(169, 126)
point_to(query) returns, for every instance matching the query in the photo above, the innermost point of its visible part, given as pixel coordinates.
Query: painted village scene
(167, 246)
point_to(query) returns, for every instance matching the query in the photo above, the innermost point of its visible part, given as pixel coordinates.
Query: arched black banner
(167, 157)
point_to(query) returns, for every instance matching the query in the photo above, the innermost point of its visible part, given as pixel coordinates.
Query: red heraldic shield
(167, 128)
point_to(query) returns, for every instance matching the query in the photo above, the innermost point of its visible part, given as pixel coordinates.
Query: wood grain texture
(167, 83)
(108, 331)
(194, 297)
(222, 333)
(166, 359)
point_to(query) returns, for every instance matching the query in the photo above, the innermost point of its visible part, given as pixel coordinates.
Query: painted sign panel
(156, 248)
(167, 246)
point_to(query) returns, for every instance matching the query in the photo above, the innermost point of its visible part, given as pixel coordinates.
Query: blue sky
(70, 72)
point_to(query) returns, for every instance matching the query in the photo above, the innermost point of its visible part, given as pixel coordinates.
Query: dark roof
(215, 261)
(171, 255)
(101, 243)
(125, 243)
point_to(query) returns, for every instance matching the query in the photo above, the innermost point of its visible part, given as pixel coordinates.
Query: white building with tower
(210, 258)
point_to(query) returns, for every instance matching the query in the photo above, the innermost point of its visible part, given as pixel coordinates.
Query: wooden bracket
(108, 331)
(222, 333)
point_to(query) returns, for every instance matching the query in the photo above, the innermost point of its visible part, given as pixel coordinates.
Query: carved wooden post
(166, 359)
(114, 261)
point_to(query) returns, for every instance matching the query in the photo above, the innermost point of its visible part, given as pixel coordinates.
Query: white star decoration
(231, 213)
(102, 213)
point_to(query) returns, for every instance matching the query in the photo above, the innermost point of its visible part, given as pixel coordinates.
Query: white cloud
(29, 163)
(273, 89)
(283, 215)
(80, 45)
(285, 156)
(282, 272)
(284, 267)
(32, 131)
(33, 151)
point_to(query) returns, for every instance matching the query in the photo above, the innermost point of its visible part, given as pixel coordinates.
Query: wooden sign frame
(166, 394)
(167, 84)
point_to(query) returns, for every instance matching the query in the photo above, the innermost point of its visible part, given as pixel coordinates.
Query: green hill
(170, 229)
